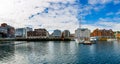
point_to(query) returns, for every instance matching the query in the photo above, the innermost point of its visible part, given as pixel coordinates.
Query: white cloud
(109, 23)
(116, 1)
(93, 2)
(17, 12)
(118, 13)
(110, 13)
(103, 25)
(63, 14)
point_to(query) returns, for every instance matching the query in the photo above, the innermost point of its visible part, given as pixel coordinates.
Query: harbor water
(59, 52)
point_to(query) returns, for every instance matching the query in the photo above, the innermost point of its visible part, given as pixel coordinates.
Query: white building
(82, 35)
(22, 32)
(82, 32)
(29, 29)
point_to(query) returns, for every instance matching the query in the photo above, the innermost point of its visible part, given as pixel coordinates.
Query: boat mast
(80, 20)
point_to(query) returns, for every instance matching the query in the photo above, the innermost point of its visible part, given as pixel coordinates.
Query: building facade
(117, 34)
(102, 33)
(7, 31)
(57, 34)
(3, 32)
(66, 34)
(82, 32)
(38, 33)
(22, 32)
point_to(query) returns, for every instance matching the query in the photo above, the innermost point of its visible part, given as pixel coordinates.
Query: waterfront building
(57, 34)
(117, 34)
(29, 29)
(22, 32)
(38, 33)
(82, 35)
(66, 34)
(102, 33)
(3, 32)
(72, 36)
(3, 24)
(82, 32)
(7, 31)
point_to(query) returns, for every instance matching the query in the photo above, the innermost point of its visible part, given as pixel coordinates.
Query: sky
(61, 14)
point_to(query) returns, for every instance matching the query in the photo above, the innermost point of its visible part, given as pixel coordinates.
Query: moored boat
(110, 40)
(79, 40)
(93, 39)
(87, 43)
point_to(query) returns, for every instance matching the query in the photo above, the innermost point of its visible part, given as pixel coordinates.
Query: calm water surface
(59, 52)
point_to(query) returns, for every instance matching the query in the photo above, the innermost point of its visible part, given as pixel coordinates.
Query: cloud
(94, 2)
(110, 13)
(103, 25)
(109, 23)
(103, 2)
(52, 14)
(49, 14)
(60, 15)
(116, 1)
(118, 13)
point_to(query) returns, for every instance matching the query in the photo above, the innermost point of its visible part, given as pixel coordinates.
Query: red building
(7, 30)
(3, 24)
(102, 33)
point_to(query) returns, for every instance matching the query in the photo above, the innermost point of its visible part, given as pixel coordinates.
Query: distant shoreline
(35, 39)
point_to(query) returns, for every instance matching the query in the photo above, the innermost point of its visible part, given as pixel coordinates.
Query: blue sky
(61, 14)
(109, 10)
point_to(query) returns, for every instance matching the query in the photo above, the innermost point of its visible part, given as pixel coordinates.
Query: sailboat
(78, 35)
(82, 35)
(79, 40)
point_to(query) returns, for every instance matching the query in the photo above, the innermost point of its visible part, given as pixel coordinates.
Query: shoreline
(35, 39)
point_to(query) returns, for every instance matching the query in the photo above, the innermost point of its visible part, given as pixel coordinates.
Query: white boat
(93, 39)
(79, 40)
(83, 41)
(87, 42)
(111, 39)
(81, 35)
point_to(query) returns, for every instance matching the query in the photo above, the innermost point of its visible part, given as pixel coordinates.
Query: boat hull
(79, 41)
(87, 43)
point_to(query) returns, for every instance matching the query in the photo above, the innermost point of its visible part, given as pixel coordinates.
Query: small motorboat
(111, 40)
(87, 43)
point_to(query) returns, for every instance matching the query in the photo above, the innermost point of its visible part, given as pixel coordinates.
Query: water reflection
(6, 51)
(59, 52)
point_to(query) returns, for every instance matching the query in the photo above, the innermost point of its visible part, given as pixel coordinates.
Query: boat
(93, 39)
(110, 40)
(87, 43)
(82, 35)
(79, 40)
